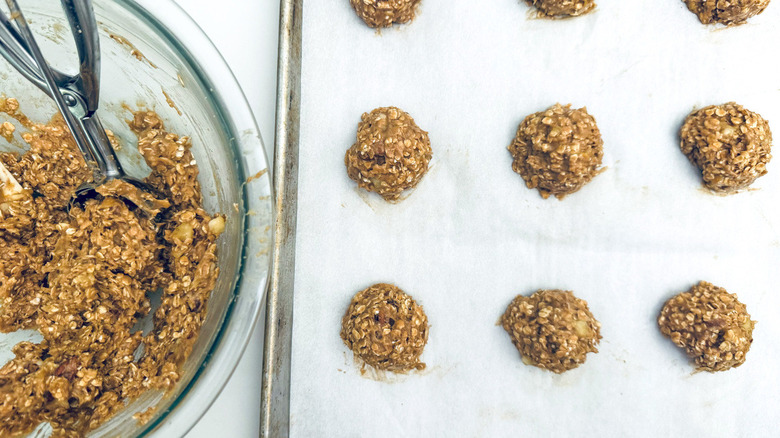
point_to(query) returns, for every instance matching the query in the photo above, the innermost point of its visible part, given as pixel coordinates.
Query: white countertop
(245, 32)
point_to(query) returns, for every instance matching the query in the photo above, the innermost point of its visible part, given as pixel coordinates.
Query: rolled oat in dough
(384, 13)
(712, 325)
(386, 328)
(391, 153)
(557, 151)
(562, 8)
(729, 144)
(728, 12)
(552, 329)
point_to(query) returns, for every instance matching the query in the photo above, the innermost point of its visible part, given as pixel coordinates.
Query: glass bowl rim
(248, 294)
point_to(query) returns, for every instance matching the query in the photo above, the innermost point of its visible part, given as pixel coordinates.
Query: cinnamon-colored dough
(728, 12)
(391, 153)
(385, 13)
(712, 325)
(552, 329)
(729, 144)
(557, 151)
(562, 8)
(386, 328)
(84, 276)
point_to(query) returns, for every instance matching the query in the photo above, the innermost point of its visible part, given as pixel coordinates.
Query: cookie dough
(552, 329)
(557, 151)
(386, 328)
(384, 13)
(711, 324)
(391, 153)
(729, 144)
(728, 12)
(83, 277)
(562, 8)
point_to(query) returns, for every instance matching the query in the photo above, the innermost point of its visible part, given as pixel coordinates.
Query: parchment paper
(472, 236)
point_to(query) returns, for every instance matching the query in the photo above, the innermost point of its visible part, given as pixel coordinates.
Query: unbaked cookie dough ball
(386, 328)
(557, 151)
(711, 324)
(552, 329)
(562, 8)
(391, 153)
(728, 12)
(383, 13)
(730, 145)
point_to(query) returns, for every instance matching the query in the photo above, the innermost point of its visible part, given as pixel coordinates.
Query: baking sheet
(472, 236)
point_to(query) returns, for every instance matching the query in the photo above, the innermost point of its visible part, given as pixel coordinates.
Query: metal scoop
(76, 97)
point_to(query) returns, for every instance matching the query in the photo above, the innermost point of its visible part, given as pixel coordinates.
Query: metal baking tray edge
(275, 397)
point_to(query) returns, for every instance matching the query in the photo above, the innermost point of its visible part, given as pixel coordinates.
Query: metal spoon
(76, 97)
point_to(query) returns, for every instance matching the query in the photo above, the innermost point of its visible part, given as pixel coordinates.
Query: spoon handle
(102, 151)
(77, 98)
(85, 34)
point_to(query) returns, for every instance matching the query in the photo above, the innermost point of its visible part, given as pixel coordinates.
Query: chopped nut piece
(562, 8)
(712, 325)
(391, 153)
(384, 13)
(183, 233)
(143, 417)
(557, 151)
(217, 225)
(729, 144)
(10, 190)
(728, 12)
(386, 328)
(552, 329)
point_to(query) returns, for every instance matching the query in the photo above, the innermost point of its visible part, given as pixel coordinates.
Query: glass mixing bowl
(155, 57)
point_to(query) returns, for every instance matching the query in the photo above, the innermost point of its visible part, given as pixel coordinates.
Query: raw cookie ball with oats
(711, 324)
(557, 151)
(386, 328)
(383, 13)
(562, 8)
(730, 145)
(391, 153)
(728, 12)
(552, 329)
